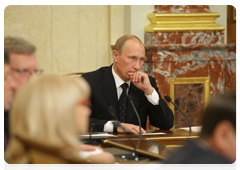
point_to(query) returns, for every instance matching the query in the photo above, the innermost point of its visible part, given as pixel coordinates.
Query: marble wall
(69, 38)
(184, 44)
(181, 55)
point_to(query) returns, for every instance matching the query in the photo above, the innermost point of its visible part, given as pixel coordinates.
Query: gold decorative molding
(183, 22)
(190, 80)
(75, 74)
(235, 12)
(172, 138)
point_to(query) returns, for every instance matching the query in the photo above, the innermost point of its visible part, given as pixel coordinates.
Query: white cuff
(153, 98)
(108, 127)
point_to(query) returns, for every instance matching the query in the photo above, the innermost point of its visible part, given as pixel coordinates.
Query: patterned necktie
(123, 103)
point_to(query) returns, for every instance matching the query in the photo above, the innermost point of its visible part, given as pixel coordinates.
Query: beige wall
(77, 38)
(68, 38)
(222, 20)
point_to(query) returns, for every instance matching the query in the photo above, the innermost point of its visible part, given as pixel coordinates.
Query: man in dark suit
(108, 90)
(217, 141)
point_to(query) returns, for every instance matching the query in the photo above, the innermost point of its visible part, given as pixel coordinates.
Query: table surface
(150, 148)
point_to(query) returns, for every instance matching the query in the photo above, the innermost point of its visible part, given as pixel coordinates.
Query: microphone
(90, 135)
(118, 124)
(116, 121)
(135, 110)
(170, 100)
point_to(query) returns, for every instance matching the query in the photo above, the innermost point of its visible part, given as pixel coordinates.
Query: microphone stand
(117, 124)
(135, 110)
(170, 100)
(190, 126)
(90, 136)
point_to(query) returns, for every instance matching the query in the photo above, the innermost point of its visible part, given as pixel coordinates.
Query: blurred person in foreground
(48, 114)
(22, 66)
(217, 140)
(9, 86)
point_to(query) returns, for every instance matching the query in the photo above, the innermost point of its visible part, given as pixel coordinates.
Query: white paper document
(97, 136)
(159, 133)
(194, 128)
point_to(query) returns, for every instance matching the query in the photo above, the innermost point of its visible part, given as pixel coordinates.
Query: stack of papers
(159, 133)
(196, 129)
(97, 136)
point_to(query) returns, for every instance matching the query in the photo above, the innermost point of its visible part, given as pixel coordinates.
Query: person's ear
(223, 137)
(115, 56)
(225, 141)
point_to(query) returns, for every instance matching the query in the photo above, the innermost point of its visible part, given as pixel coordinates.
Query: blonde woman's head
(52, 109)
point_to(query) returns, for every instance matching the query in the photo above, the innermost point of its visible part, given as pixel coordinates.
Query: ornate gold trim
(235, 12)
(173, 146)
(191, 80)
(172, 137)
(178, 22)
(158, 137)
(76, 74)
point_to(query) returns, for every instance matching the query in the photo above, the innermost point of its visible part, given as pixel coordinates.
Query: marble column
(183, 41)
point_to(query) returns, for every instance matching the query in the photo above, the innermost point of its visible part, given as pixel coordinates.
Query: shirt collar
(118, 80)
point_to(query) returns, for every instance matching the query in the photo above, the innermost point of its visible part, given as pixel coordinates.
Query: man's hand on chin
(141, 81)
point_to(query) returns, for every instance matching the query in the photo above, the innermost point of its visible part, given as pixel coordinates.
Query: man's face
(9, 87)
(23, 66)
(131, 59)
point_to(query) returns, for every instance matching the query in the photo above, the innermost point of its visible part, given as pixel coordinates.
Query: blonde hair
(43, 110)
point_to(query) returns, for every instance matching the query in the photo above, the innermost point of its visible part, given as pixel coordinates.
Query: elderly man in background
(23, 61)
(20, 64)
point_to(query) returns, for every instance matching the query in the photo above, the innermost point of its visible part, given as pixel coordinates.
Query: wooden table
(155, 147)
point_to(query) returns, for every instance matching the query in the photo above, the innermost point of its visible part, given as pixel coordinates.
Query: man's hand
(101, 157)
(141, 81)
(130, 128)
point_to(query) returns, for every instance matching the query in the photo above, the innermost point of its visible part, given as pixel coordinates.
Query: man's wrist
(108, 127)
(153, 98)
(149, 91)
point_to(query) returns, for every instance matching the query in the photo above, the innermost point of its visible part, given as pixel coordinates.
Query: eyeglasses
(85, 102)
(26, 72)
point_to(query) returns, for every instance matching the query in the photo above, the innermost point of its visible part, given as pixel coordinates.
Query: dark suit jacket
(6, 129)
(104, 94)
(193, 153)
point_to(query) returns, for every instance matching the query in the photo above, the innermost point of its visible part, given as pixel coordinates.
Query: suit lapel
(109, 89)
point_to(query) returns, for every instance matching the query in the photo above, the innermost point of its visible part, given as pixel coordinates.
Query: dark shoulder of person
(95, 75)
(152, 80)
